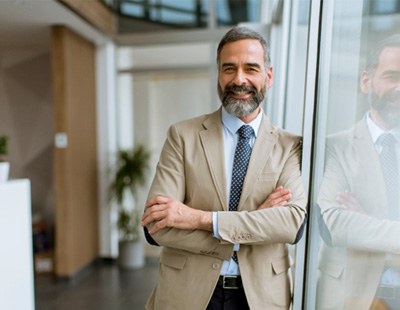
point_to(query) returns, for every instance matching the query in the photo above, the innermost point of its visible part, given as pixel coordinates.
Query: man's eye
(252, 69)
(393, 77)
(229, 69)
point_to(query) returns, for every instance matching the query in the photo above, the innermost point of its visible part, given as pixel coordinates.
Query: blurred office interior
(80, 80)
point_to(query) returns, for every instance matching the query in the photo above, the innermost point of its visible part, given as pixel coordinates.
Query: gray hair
(242, 33)
(373, 57)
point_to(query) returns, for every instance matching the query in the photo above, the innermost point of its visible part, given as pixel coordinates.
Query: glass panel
(156, 15)
(293, 101)
(296, 72)
(355, 210)
(233, 12)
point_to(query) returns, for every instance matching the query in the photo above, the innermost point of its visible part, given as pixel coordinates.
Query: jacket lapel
(213, 145)
(262, 151)
(369, 160)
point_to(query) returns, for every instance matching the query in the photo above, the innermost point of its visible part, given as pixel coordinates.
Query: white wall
(26, 116)
(16, 268)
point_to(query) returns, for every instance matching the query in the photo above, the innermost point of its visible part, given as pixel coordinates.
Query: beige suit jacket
(353, 254)
(191, 169)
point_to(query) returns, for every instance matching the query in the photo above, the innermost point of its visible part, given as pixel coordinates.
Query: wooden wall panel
(75, 166)
(95, 12)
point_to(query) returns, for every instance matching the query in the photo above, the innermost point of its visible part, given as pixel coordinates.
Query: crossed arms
(168, 212)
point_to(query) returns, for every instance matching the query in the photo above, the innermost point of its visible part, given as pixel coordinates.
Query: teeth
(240, 93)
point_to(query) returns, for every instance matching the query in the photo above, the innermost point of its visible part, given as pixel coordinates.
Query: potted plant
(130, 173)
(4, 165)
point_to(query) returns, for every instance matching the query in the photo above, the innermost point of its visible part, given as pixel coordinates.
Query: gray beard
(238, 107)
(390, 114)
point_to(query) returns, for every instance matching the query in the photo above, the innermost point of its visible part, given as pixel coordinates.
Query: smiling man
(227, 196)
(359, 196)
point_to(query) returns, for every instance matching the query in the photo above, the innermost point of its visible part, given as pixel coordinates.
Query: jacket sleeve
(170, 181)
(283, 224)
(341, 227)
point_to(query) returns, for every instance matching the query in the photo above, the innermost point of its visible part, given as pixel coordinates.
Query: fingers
(279, 197)
(348, 201)
(155, 210)
(158, 226)
(164, 212)
(157, 200)
(345, 197)
(155, 213)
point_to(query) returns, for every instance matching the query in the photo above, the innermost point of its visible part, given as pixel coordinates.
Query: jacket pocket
(335, 270)
(279, 287)
(173, 260)
(280, 265)
(330, 279)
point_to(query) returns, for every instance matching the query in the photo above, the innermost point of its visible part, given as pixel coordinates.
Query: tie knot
(246, 131)
(387, 140)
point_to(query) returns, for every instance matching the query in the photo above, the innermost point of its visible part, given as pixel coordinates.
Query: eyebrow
(391, 72)
(250, 64)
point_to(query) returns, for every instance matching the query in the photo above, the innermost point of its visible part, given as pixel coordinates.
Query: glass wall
(351, 249)
(353, 257)
(157, 15)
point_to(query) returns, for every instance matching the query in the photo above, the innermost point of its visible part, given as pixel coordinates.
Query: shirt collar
(376, 131)
(233, 123)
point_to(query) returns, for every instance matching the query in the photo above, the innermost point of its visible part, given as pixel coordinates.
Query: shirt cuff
(215, 225)
(236, 246)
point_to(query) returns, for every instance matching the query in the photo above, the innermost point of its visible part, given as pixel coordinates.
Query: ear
(270, 76)
(365, 82)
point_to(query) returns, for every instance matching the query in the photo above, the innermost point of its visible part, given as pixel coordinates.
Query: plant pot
(4, 171)
(131, 254)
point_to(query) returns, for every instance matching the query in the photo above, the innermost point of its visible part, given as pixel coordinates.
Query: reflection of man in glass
(359, 197)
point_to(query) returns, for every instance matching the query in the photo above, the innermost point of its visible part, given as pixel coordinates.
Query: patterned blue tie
(390, 172)
(240, 163)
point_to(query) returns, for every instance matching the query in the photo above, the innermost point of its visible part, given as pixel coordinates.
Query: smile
(240, 94)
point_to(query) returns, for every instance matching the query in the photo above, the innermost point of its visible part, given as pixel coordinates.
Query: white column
(107, 146)
(16, 267)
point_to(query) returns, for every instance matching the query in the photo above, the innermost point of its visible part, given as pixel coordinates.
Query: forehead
(389, 59)
(242, 51)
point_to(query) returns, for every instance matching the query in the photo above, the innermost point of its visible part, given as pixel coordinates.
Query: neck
(378, 120)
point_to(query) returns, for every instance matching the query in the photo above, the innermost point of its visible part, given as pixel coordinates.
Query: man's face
(242, 77)
(383, 87)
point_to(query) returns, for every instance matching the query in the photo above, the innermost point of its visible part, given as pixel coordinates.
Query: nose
(397, 88)
(239, 78)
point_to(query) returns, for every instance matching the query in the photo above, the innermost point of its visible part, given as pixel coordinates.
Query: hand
(168, 212)
(349, 202)
(279, 197)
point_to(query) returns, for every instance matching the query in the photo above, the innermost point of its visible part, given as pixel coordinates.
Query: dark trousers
(228, 299)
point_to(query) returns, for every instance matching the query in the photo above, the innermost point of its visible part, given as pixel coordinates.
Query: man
(213, 258)
(360, 208)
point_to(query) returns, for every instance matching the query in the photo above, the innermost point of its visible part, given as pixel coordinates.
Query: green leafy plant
(128, 224)
(130, 173)
(3, 148)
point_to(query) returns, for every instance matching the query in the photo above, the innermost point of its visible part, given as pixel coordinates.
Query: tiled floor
(105, 287)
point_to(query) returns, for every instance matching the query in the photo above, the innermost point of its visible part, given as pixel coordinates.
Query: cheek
(222, 81)
(260, 83)
(381, 88)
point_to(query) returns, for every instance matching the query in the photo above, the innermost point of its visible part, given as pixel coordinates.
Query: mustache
(392, 96)
(239, 88)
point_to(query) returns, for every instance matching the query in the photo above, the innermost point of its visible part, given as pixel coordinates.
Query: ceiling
(26, 23)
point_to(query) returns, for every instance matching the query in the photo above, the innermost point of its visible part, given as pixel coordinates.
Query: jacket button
(215, 266)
